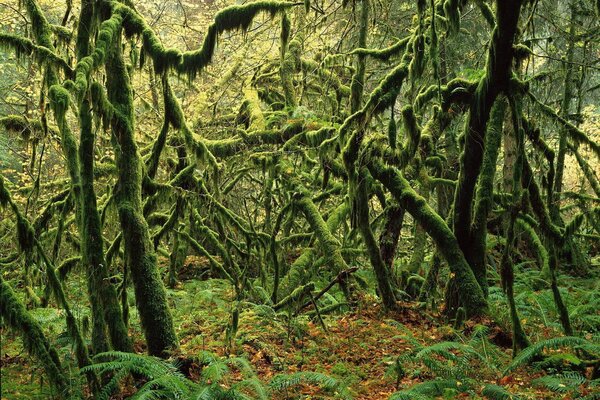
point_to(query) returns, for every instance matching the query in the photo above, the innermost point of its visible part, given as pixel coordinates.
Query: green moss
(358, 79)
(484, 198)
(383, 54)
(150, 293)
(574, 133)
(42, 55)
(16, 316)
(447, 244)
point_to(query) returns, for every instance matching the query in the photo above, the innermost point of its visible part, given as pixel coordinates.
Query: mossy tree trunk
(151, 298)
(99, 286)
(496, 79)
(473, 298)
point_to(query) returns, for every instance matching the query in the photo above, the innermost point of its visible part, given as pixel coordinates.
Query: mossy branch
(42, 55)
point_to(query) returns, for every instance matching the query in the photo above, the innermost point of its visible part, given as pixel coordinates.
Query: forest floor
(358, 348)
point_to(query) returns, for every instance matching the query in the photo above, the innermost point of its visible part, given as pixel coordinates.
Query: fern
(561, 383)
(284, 381)
(427, 390)
(495, 392)
(535, 350)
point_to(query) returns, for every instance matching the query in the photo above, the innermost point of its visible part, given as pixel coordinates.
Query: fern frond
(495, 392)
(534, 350)
(426, 390)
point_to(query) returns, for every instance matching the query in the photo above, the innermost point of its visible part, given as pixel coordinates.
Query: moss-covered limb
(174, 114)
(42, 55)
(420, 236)
(329, 78)
(191, 62)
(161, 139)
(458, 91)
(212, 238)
(16, 316)
(533, 238)
(382, 273)
(273, 250)
(388, 239)
(150, 293)
(471, 294)
(484, 198)
(571, 131)
(105, 304)
(495, 80)
(549, 229)
(588, 172)
(296, 296)
(553, 236)
(223, 148)
(520, 340)
(290, 62)
(383, 54)
(28, 243)
(56, 202)
(301, 265)
(329, 244)
(201, 251)
(358, 79)
(487, 12)
(555, 201)
(29, 129)
(176, 212)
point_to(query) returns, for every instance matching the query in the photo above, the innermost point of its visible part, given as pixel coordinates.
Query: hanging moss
(42, 55)
(286, 28)
(392, 131)
(574, 133)
(452, 14)
(541, 252)
(16, 316)
(190, 63)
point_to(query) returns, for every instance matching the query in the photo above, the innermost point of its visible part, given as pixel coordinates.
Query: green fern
(527, 355)
(495, 392)
(428, 390)
(284, 381)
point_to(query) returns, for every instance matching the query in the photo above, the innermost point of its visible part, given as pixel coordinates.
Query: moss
(587, 171)
(382, 273)
(155, 316)
(484, 198)
(286, 27)
(541, 252)
(487, 12)
(191, 62)
(358, 79)
(574, 133)
(452, 14)
(496, 79)
(16, 316)
(471, 294)
(296, 296)
(42, 55)
(383, 54)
